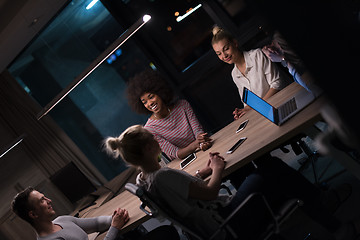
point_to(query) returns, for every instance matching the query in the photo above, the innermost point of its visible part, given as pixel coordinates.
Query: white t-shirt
(260, 74)
(172, 187)
(78, 228)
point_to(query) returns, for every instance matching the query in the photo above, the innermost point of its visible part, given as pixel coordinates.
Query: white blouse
(260, 74)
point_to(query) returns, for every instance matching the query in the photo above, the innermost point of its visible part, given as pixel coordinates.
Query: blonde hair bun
(113, 143)
(216, 29)
(111, 146)
(130, 144)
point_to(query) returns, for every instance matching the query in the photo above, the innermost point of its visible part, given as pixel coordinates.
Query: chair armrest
(145, 205)
(152, 212)
(134, 189)
(287, 208)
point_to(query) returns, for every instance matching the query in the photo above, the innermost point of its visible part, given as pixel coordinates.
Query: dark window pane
(184, 41)
(98, 107)
(237, 10)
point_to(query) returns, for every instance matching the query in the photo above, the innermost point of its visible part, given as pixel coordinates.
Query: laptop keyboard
(288, 108)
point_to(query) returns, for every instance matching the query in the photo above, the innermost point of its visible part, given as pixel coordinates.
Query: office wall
(45, 149)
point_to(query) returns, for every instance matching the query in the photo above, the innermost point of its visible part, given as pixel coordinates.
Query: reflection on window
(98, 107)
(233, 7)
(236, 10)
(182, 41)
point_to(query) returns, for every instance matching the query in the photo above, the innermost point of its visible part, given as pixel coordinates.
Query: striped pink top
(177, 130)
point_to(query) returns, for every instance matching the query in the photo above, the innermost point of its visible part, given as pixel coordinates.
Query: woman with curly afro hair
(172, 122)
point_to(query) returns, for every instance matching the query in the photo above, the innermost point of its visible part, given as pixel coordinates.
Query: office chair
(299, 146)
(151, 207)
(154, 208)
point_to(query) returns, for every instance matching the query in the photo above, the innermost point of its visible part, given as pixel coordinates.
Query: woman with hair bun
(172, 122)
(197, 201)
(252, 69)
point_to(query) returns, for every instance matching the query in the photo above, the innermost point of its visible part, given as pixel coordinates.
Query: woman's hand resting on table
(204, 141)
(238, 113)
(210, 190)
(215, 161)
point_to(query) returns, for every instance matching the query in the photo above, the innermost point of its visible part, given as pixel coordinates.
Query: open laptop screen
(258, 104)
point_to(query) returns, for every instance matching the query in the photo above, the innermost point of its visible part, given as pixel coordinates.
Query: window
(98, 107)
(236, 10)
(182, 29)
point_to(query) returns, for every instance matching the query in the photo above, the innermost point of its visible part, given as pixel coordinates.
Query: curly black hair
(148, 81)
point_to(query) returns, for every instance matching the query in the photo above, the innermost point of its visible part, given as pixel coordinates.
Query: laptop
(282, 113)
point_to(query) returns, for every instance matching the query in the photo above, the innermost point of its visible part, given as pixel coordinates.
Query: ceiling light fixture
(91, 4)
(12, 145)
(190, 11)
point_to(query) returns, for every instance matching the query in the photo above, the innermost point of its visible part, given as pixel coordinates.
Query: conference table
(262, 137)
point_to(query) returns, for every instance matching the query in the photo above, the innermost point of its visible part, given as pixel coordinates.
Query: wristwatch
(283, 62)
(197, 174)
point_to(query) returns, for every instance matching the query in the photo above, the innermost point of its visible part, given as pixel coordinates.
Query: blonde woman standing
(252, 69)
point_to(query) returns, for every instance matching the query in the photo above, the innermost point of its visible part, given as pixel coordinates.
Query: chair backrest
(154, 208)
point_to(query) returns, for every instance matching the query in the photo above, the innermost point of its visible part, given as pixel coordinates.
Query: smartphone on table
(191, 157)
(242, 125)
(236, 145)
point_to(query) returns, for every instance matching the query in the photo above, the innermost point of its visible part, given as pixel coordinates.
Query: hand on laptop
(238, 113)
